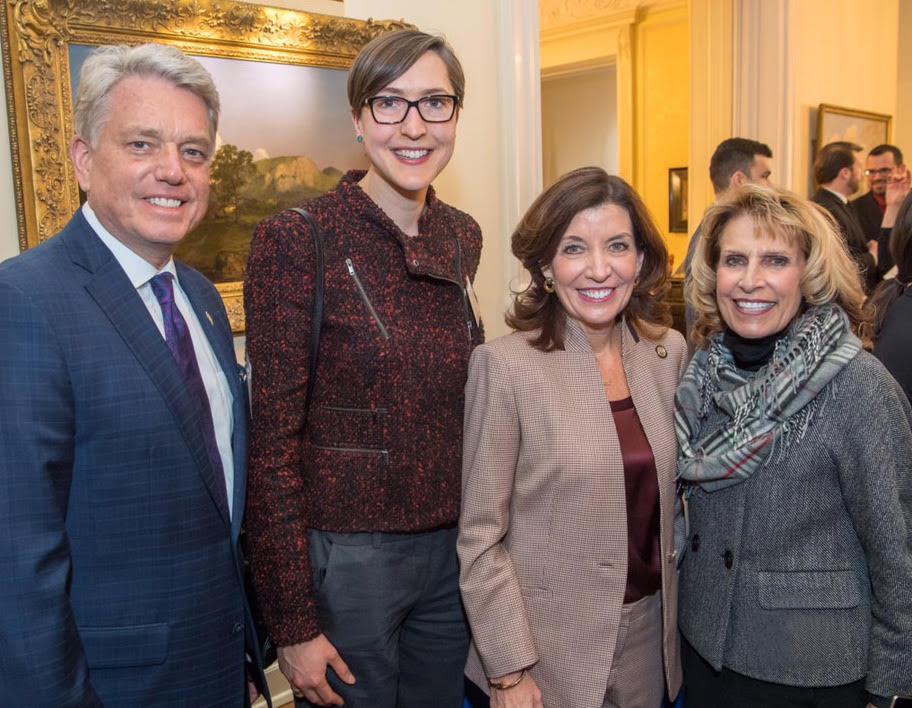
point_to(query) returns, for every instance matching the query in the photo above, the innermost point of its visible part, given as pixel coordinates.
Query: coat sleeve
(278, 294)
(490, 589)
(876, 478)
(43, 661)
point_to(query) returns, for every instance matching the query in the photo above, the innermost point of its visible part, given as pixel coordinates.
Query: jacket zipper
(367, 302)
(357, 450)
(467, 309)
(350, 409)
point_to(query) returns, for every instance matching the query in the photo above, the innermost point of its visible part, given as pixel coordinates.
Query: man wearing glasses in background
(882, 163)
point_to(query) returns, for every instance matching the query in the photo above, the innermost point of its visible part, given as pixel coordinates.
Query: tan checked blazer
(543, 530)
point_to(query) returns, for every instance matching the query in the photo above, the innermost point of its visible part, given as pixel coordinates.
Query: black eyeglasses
(390, 110)
(882, 172)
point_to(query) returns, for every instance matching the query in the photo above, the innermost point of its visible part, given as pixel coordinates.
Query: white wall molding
(558, 14)
(520, 125)
(712, 80)
(590, 25)
(562, 71)
(625, 99)
(763, 86)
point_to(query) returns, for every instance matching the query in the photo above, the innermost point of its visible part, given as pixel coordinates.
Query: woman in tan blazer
(566, 536)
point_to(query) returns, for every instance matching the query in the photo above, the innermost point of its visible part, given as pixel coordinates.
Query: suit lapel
(117, 298)
(640, 359)
(220, 339)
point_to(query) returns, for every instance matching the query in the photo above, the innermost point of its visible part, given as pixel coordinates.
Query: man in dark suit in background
(837, 172)
(123, 419)
(734, 162)
(881, 164)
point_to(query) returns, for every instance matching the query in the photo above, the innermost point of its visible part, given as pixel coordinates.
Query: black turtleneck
(751, 354)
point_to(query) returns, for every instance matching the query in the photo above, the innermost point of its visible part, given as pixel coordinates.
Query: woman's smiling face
(596, 266)
(758, 279)
(407, 156)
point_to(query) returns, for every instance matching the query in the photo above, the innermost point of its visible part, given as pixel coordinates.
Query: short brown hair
(734, 155)
(830, 274)
(832, 158)
(540, 231)
(387, 57)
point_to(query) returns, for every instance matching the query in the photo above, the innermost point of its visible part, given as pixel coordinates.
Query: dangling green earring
(360, 139)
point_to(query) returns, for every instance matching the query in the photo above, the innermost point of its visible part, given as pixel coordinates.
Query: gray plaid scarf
(766, 412)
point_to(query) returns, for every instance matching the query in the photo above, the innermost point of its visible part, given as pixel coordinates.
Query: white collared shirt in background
(842, 197)
(140, 272)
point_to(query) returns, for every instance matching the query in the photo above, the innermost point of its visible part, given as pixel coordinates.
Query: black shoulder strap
(316, 321)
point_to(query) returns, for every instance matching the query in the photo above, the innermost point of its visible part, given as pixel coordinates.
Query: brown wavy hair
(830, 274)
(539, 233)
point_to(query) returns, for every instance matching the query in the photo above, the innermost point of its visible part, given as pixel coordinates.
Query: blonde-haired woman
(796, 453)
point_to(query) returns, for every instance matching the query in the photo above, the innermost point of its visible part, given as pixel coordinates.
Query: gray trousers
(390, 605)
(637, 677)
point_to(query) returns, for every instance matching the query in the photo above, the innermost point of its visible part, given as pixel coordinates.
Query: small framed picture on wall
(677, 200)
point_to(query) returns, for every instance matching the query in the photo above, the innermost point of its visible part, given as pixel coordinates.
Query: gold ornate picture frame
(39, 38)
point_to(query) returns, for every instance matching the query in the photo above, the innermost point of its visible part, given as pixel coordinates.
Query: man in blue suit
(123, 419)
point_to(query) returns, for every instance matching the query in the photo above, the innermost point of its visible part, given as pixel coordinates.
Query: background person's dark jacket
(852, 233)
(870, 217)
(869, 214)
(894, 342)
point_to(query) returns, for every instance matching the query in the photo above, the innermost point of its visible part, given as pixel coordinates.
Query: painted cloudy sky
(276, 109)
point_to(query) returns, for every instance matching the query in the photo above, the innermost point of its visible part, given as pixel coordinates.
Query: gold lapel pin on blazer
(209, 317)
(661, 351)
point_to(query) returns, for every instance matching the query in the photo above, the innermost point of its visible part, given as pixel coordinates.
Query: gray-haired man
(122, 419)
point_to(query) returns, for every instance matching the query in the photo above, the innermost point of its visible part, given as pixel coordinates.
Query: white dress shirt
(842, 197)
(140, 272)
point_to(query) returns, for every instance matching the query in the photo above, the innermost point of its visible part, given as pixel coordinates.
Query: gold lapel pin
(209, 317)
(661, 351)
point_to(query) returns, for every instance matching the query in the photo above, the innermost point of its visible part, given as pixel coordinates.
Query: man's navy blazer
(121, 582)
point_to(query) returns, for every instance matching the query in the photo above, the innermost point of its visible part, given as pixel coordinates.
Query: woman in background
(796, 451)
(354, 495)
(891, 305)
(566, 534)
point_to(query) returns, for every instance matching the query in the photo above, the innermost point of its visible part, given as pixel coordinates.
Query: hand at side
(525, 694)
(304, 665)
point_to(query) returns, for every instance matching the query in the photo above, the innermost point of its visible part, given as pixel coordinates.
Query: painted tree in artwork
(231, 168)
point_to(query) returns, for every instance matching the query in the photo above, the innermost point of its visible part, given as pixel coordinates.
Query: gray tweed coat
(802, 575)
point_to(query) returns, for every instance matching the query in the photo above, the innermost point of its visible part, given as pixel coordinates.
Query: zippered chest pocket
(362, 291)
(341, 426)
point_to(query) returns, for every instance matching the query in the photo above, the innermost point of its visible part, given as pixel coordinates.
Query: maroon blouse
(641, 483)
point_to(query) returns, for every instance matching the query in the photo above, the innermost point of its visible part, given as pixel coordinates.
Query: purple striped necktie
(177, 336)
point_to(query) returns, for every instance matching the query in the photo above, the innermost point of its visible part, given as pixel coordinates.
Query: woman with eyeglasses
(354, 494)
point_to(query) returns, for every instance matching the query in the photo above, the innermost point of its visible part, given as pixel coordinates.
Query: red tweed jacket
(383, 446)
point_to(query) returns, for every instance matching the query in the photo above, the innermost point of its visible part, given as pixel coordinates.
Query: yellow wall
(662, 111)
(584, 43)
(902, 127)
(842, 52)
(579, 122)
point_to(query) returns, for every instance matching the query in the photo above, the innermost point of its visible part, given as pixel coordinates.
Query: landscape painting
(285, 136)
